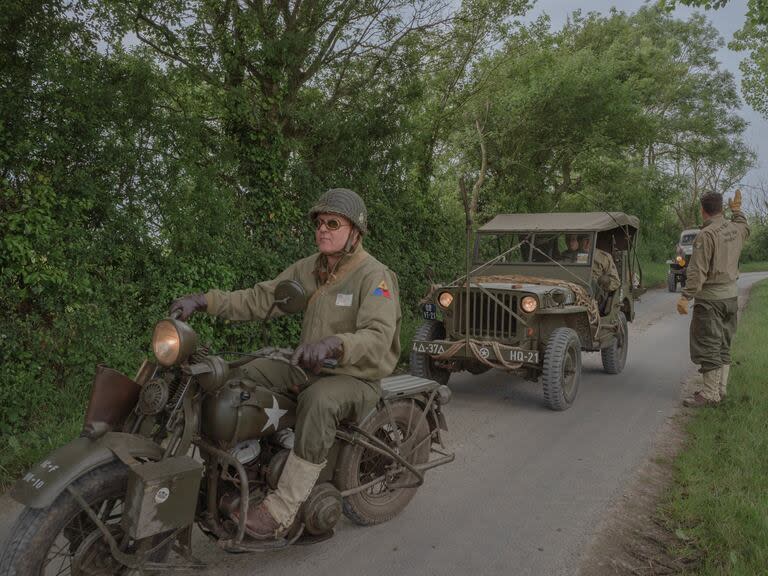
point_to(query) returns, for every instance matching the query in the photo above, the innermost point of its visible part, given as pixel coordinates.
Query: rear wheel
(402, 429)
(422, 364)
(615, 356)
(62, 540)
(561, 373)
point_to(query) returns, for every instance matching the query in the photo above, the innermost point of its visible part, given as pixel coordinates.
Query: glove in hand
(311, 356)
(735, 203)
(188, 305)
(682, 305)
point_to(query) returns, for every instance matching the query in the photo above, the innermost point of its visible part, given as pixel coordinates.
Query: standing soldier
(711, 280)
(352, 316)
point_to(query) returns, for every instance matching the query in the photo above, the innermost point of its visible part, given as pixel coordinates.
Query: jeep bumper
(514, 354)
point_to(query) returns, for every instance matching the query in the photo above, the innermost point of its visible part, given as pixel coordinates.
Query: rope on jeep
(475, 349)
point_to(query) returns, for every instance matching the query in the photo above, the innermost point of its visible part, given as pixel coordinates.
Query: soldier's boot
(710, 392)
(275, 514)
(724, 373)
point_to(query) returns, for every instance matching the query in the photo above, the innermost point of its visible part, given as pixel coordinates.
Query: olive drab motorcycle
(189, 442)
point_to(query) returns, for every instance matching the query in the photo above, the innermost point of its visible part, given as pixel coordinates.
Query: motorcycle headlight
(529, 304)
(173, 341)
(445, 299)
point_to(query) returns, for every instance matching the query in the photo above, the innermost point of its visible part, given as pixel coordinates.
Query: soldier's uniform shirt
(359, 303)
(604, 265)
(710, 279)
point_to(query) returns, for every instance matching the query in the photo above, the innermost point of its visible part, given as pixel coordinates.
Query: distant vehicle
(678, 266)
(531, 306)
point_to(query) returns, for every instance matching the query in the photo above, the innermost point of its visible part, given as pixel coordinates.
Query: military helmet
(344, 202)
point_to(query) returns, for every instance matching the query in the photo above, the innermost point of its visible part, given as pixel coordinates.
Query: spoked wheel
(62, 540)
(402, 429)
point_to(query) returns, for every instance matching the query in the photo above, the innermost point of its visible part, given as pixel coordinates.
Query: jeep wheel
(561, 373)
(671, 282)
(615, 356)
(421, 364)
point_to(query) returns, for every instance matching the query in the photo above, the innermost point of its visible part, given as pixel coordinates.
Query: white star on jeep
(273, 415)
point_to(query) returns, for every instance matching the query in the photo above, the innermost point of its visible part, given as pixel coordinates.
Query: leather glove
(735, 203)
(311, 356)
(189, 304)
(682, 305)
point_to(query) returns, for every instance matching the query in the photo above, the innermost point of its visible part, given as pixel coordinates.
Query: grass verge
(654, 274)
(753, 266)
(719, 501)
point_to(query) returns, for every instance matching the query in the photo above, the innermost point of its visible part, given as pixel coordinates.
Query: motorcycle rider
(353, 316)
(711, 282)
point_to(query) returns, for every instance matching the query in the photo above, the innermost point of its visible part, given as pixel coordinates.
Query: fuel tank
(241, 410)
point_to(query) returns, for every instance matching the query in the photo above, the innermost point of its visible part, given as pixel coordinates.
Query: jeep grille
(487, 320)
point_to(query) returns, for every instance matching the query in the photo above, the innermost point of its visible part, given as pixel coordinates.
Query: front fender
(39, 487)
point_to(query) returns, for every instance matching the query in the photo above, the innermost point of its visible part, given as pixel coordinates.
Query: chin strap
(349, 248)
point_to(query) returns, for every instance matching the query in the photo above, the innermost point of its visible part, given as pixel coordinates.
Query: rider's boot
(276, 513)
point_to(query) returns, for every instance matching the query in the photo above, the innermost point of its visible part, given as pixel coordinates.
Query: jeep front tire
(561, 373)
(422, 364)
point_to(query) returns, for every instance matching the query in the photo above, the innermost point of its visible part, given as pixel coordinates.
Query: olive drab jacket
(714, 266)
(359, 303)
(604, 265)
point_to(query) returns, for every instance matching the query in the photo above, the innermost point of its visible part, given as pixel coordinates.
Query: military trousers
(712, 328)
(322, 402)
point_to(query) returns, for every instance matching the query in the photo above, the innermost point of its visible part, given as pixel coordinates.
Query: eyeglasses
(331, 224)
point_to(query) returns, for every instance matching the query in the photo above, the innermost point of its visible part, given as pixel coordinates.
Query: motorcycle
(189, 442)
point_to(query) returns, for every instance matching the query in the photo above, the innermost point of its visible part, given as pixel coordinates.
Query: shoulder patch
(382, 290)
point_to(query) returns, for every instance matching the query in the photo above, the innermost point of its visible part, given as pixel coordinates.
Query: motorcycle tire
(40, 536)
(358, 466)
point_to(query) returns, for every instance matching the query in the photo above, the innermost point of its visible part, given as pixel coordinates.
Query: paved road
(528, 485)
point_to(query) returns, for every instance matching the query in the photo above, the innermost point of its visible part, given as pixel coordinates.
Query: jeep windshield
(572, 249)
(687, 239)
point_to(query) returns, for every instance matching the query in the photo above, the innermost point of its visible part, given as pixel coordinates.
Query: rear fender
(39, 487)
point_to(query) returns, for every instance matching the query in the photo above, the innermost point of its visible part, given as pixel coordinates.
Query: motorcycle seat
(405, 385)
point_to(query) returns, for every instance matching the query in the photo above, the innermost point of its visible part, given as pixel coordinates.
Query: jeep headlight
(445, 299)
(529, 304)
(173, 341)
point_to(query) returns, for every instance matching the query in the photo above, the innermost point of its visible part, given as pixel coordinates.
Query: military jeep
(534, 303)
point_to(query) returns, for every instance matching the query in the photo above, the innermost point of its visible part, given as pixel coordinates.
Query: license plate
(527, 356)
(429, 312)
(429, 347)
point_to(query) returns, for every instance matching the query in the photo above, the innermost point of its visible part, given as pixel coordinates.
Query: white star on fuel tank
(273, 415)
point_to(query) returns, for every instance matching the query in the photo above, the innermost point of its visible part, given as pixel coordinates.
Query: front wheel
(62, 540)
(615, 356)
(671, 282)
(399, 425)
(561, 373)
(422, 364)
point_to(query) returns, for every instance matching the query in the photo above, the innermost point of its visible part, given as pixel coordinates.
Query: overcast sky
(727, 20)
